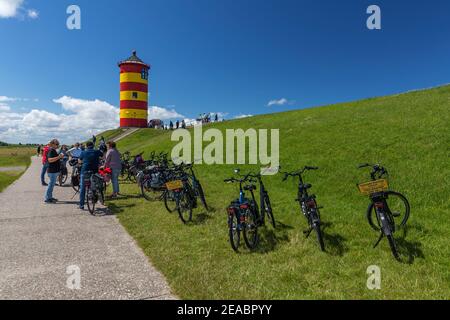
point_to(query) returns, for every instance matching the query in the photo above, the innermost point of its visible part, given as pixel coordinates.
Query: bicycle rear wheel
(251, 230)
(170, 201)
(234, 232)
(393, 246)
(397, 205)
(184, 207)
(90, 200)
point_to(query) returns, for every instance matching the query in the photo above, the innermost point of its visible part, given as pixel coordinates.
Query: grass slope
(408, 133)
(13, 157)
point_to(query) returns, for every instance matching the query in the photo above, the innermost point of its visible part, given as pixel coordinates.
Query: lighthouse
(133, 92)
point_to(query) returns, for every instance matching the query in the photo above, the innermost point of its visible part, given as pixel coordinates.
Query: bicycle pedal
(396, 214)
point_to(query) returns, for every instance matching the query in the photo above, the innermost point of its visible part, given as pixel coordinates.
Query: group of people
(91, 159)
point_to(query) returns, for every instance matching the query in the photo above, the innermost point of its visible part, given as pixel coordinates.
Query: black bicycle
(243, 215)
(308, 204)
(94, 186)
(182, 191)
(265, 207)
(75, 176)
(386, 206)
(63, 174)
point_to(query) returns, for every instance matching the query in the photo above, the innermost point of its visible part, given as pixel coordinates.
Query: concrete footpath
(59, 252)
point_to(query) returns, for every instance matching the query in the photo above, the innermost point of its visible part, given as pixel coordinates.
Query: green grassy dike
(408, 133)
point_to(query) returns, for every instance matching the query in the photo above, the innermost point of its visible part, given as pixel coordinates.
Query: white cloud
(79, 120)
(9, 8)
(33, 14)
(4, 107)
(155, 112)
(242, 116)
(280, 102)
(14, 8)
(7, 99)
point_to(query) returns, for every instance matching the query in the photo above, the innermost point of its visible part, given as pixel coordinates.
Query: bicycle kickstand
(379, 240)
(308, 232)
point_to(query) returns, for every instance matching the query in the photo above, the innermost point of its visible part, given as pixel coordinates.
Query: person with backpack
(90, 160)
(53, 160)
(44, 165)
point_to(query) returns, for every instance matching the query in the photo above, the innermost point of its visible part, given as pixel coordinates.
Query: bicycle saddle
(250, 187)
(306, 186)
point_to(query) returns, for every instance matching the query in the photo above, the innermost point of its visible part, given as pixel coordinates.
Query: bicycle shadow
(115, 209)
(270, 238)
(410, 250)
(334, 242)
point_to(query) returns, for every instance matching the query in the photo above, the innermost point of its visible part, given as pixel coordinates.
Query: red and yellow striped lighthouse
(133, 92)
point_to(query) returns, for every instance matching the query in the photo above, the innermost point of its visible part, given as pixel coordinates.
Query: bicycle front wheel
(201, 194)
(269, 212)
(397, 206)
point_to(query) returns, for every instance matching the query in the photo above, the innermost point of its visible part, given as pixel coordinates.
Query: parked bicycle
(308, 204)
(94, 184)
(243, 214)
(63, 174)
(265, 207)
(182, 191)
(75, 176)
(385, 206)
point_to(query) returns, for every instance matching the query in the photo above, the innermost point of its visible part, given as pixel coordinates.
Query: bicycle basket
(174, 185)
(372, 187)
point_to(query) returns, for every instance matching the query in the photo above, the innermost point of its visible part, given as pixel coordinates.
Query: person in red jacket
(44, 164)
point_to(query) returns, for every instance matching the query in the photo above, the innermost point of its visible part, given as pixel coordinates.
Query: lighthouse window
(144, 74)
(135, 95)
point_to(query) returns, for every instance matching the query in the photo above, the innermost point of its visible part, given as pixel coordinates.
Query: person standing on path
(114, 162)
(90, 160)
(53, 160)
(44, 164)
(39, 150)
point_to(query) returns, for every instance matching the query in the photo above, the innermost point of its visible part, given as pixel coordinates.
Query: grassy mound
(408, 133)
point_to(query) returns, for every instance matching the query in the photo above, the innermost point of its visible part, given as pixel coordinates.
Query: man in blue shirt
(90, 160)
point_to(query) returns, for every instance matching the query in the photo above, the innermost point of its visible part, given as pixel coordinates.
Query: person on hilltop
(53, 160)
(114, 162)
(44, 165)
(90, 162)
(171, 125)
(94, 139)
(183, 124)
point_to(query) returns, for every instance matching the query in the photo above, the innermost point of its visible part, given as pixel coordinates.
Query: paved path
(126, 133)
(38, 242)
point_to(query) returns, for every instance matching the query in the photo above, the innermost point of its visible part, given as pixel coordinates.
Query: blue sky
(229, 56)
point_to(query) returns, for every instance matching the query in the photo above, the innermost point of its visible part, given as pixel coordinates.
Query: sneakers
(52, 200)
(44, 184)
